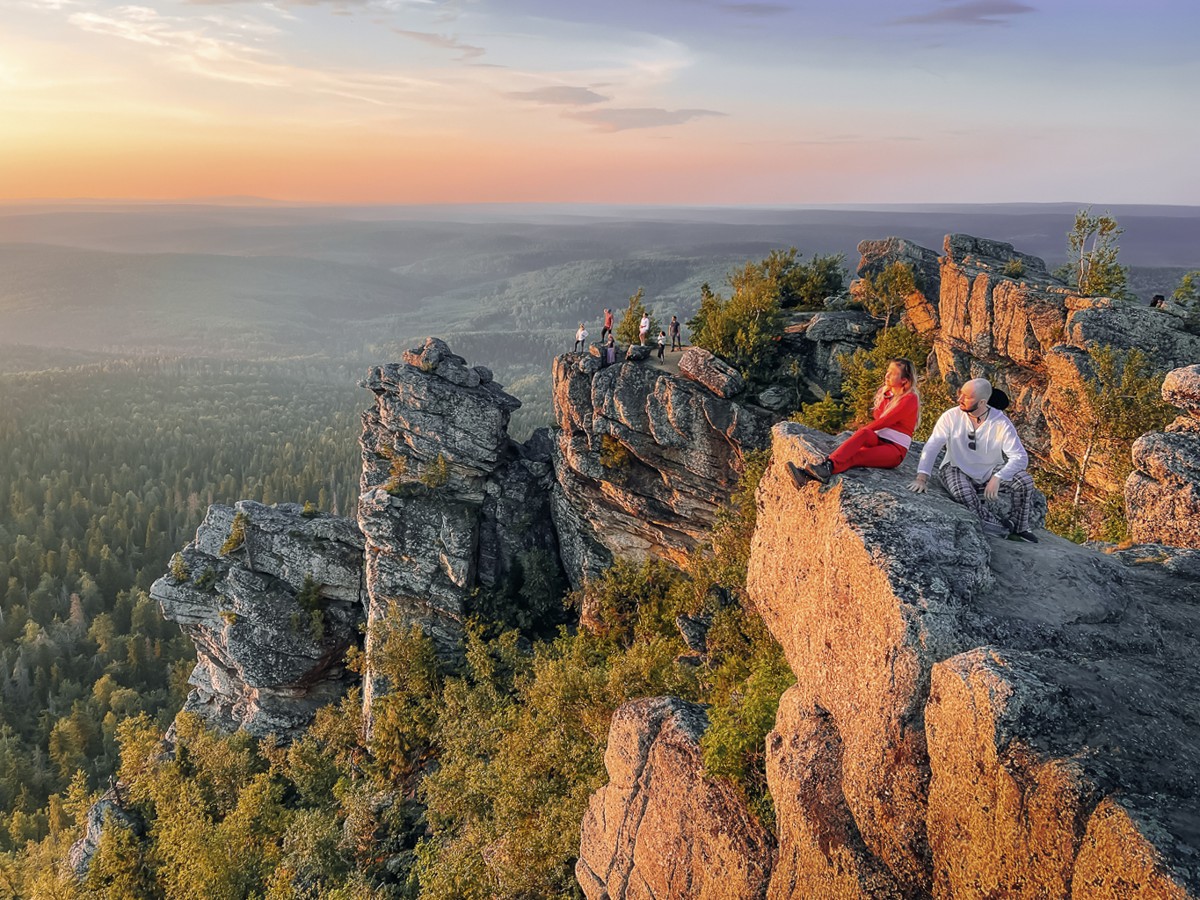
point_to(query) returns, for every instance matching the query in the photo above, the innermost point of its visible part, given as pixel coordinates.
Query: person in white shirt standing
(581, 337)
(984, 455)
(643, 327)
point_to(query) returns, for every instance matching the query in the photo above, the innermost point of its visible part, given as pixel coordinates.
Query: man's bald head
(981, 388)
(973, 396)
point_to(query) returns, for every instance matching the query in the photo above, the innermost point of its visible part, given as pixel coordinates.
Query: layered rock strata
(972, 717)
(272, 598)
(449, 503)
(644, 458)
(817, 341)
(660, 827)
(1162, 494)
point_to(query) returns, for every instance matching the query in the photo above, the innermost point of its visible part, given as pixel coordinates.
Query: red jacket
(902, 416)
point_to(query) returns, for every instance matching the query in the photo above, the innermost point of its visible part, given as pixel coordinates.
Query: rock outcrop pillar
(272, 598)
(1162, 494)
(644, 458)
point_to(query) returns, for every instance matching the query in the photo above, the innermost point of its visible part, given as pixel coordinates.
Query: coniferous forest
(108, 469)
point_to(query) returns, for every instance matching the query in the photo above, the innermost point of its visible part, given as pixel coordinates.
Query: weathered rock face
(1000, 315)
(266, 660)
(816, 340)
(1162, 494)
(660, 828)
(643, 460)
(921, 308)
(107, 812)
(972, 717)
(448, 500)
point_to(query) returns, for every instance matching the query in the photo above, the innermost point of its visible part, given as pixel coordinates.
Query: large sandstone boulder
(269, 654)
(643, 460)
(661, 828)
(1162, 494)
(952, 770)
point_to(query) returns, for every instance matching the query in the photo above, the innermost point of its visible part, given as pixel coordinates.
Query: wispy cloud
(191, 46)
(466, 51)
(610, 120)
(559, 95)
(974, 12)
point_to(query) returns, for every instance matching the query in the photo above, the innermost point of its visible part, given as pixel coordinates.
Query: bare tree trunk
(1083, 465)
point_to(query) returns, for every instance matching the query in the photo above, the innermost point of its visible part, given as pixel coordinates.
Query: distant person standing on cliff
(884, 443)
(662, 343)
(610, 351)
(581, 338)
(984, 455)
(676, 343)
(608, 322)
(643, 328)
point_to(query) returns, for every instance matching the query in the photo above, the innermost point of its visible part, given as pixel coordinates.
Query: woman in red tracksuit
(883, 443)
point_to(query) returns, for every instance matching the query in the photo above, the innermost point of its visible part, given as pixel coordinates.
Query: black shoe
(822, 471)
(798, 477)
(1024, 537)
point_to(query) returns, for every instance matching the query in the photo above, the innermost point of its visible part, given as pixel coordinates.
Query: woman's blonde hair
(908, 372)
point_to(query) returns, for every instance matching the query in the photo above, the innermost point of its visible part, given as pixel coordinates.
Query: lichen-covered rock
(804, 772)
(818, 341)
(643, 460)
(272, 598)
(715, 374)
(660, 827)
(1162, 494)
(449, 503)
(107, 812)
(1058, 775)
(1181, 388)
(879, 598)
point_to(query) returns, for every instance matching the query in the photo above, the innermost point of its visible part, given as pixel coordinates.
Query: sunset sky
(656, 101)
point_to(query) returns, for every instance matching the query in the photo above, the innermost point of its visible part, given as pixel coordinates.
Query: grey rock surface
(265, 663)
(643, 461)
(715, 374)
(449, 502)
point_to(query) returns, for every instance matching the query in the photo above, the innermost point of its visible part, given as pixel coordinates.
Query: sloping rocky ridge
(264, 662)
(972, 717)
(996, 710)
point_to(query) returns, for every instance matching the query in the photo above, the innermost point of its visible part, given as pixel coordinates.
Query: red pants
(864, 448)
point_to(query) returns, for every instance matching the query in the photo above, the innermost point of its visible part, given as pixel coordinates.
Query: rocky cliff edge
(1006, 719)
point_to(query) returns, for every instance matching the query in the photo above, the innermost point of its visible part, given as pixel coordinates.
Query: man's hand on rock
(993, 488)
(918, 485)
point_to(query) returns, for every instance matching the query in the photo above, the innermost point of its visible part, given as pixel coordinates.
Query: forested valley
(107, 471)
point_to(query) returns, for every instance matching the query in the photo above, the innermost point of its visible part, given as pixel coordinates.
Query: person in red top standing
(882, 444)
(608, 323)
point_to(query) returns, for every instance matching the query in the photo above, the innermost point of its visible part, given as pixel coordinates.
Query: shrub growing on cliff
(1121, 399)
(237, 534)
(1092, 250)
(628, 328)
(884, 296)
(1186, 299)
(744, 329)
(436, 473)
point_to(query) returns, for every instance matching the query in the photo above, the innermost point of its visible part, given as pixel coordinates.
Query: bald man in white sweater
(984, 455)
